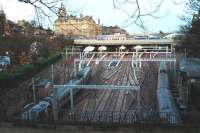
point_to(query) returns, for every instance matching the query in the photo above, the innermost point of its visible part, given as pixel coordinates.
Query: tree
(194, 5)
(44, 9)
(137, 10)
(192, 29)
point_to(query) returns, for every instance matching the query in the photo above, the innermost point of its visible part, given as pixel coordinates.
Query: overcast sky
(103, 9)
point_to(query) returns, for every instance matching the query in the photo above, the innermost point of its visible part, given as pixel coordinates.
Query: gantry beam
(137, 60)
(107, 52)
(99, 87)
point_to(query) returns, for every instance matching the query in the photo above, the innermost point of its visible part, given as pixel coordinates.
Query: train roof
(191, 66)
(62, 90)
(42, 82)
(40, 106)
(163, 66)
(165, 99)
(85, 70)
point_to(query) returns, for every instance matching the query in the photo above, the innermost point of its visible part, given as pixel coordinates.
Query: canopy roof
(138, 47)
(89, 49)
(102, 48)
(122, 47)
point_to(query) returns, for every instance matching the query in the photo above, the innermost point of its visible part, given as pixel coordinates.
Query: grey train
(166, 106)
(38, 111)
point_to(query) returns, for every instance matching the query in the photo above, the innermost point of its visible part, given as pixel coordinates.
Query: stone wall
(12, 128)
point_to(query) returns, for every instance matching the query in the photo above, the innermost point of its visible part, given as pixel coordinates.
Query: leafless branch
(47, 9)
(44, 9)
(136, 10)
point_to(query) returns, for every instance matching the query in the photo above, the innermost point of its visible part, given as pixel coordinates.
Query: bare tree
(47, 10)
(194, 5)
(137, 10)
(44, 9)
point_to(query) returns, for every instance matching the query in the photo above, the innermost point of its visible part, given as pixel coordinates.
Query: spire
(1, 9)
(62, 11)
(62, 5)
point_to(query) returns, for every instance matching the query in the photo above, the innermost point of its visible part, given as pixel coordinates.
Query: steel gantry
(71, 87)
(137, 58)
(149, 54)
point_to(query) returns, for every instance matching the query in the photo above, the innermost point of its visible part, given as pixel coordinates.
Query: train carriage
(166, 105)
(35, 110)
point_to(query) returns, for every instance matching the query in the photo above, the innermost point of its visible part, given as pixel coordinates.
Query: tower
(62, 12)
(196, 17)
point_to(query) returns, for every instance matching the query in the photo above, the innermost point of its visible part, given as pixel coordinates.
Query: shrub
(4, 75)
(24, 69)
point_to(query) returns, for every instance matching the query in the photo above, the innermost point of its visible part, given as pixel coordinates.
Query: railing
(114, 117)
(118, 117)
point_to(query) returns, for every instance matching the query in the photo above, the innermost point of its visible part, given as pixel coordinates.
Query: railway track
(120, 100)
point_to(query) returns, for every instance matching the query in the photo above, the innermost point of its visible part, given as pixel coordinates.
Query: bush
(4, 75)
(42, 62)
(24, 69)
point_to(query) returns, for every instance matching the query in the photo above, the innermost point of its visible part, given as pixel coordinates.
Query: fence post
(33, 85)
(55, 104)
(71, 100)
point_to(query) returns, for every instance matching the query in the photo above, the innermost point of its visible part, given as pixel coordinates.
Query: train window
(165, 107)
(162, 71)
(79, 75)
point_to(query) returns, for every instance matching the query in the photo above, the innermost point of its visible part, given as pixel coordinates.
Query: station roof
(89, 49)
(124, 42)
(191, 66)
(102, 48)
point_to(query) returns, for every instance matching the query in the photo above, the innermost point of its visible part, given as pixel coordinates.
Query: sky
(104, 10)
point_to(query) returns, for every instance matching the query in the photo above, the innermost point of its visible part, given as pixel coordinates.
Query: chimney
(99, 21)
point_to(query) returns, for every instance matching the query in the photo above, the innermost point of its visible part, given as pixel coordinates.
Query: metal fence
(119, 117)
(112, 117)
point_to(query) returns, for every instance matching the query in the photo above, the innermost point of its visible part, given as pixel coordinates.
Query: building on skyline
(111, 30)
(196, 17)
(83, 26)
(115, 36)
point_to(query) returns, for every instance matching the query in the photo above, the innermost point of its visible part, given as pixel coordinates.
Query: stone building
(111, 30)
(196, 17)
(83, 26)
